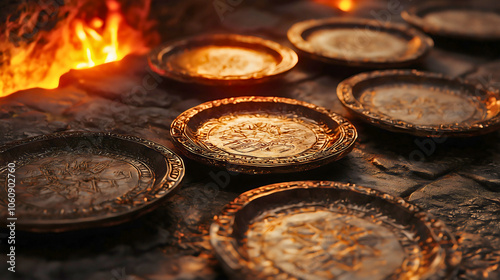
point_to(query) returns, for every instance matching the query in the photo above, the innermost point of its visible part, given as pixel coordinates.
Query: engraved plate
(421, 103)
(76, 180)
(262, 134)
(468, 20)
(360, 42)
(222, 59)
(328, 230)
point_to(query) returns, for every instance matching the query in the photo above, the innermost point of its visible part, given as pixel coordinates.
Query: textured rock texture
(458, 180)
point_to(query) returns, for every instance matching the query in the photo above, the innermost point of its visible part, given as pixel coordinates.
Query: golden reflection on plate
(78, 180)
(222, 59)
(262, 134)
(360, 42)
(470, 20)
(327, 230)
(421, 103)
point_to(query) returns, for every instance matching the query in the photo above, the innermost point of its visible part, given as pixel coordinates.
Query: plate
(262, 134)
(328, 230)
(75, 180)
(421, 103)
(222, 60)
(468, 20)
(360, 42)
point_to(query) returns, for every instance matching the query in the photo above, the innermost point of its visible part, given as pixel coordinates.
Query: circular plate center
(324, 245)
(421, 105)
(472, 21)
(78, 181)
(358, 43)
(262, 135)
(224, 61)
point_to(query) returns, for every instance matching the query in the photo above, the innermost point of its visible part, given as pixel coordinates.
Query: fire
(74, 42)
(343, 5)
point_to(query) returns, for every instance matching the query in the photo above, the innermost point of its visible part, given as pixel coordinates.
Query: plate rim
(288, 62)
(221, 234)
(295, 32)
(184, 143)
(411, 16)
(72, 224)
(345, 95)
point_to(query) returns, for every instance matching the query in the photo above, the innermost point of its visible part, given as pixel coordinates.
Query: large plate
(470, 20)
(328, 230)
(360, 42)
(421, 103)
(222, 59)
(76, 180)
(262, 134)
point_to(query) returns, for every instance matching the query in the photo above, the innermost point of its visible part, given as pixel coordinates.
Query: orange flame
(71, 44)
(343, 5)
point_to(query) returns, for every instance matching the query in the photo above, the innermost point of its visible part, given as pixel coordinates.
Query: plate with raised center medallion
(360, 42)
(421, 103)
(328, 230)
(222, 59)
(262, 134)
(76, 180)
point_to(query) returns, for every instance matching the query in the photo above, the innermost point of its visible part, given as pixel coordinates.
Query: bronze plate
(262, 134)
(360, 42)
(77, 180)
(421, 103)
(222, 60)
(328, 230)
(470, 20)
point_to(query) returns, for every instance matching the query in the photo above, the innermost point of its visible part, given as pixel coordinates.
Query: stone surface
(457, 180)
(450, 63)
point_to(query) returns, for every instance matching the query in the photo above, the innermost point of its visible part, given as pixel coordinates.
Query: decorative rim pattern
(343, 144)
(346, 95)
(295, 36)
(227, 230)
(130, 206)
(288, 59)
(413, 17)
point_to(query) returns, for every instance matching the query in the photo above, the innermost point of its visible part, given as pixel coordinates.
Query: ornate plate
(470, 20)
(77, 180)
(360, 42)
(328, 230)
(421, 103)
(262, 134)
(222, 60)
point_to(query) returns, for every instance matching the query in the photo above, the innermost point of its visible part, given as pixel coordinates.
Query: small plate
(222, 60)
(262, 134)
(468, 20)
(75, 180)
(421, 103)
(328, 230)
(360, 42)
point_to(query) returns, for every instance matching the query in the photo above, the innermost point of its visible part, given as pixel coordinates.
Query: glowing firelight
(345, 5)
(72, 44)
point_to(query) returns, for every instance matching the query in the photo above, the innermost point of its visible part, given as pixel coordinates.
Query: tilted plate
(262, 134)
(421, 103)
(222, 59)
(74, 180)
(328, 230)
(468, 20)
(360, 42)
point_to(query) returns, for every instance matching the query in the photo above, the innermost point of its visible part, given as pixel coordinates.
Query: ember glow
(31, 56)
(343, 5)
